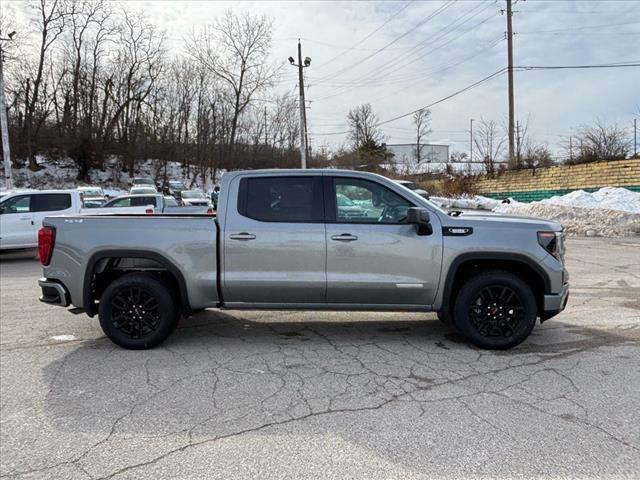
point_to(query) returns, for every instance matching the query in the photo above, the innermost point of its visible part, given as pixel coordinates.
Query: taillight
(210, 211)
(46, 239)
(149, 211)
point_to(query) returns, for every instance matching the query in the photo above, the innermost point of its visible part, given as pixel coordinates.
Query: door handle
(344, 237)
(25, 218)
(242, 236)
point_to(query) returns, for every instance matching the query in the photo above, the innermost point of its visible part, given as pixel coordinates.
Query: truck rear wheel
(137, 311)
(495, 310)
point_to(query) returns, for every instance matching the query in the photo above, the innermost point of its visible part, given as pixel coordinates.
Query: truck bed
(184, 244)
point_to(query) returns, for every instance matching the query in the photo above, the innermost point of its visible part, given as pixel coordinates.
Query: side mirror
(420, 217)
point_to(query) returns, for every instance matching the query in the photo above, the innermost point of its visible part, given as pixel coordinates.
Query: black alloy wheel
(495, 310)
(135, 312)
(138, 311)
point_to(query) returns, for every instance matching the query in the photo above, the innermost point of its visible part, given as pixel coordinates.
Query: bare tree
(422, 123)
(363, 126)
(601, 142)
(235, 49)
(50, 21)
(489, 141)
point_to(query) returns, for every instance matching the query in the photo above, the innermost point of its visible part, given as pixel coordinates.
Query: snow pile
(609, 197)
(600, 222)
(608, 212)
(476, 202)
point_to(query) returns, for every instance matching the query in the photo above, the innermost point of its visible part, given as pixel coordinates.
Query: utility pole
(635, 137)
(510, 75)
(518, 143)
(4, 125)
(266, 143)
(306, 136)
(303, 122)
(471, 142)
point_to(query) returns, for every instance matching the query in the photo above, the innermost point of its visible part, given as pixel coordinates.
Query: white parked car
(21, 214)
(143, 190)
(92, 197)
(192, 198)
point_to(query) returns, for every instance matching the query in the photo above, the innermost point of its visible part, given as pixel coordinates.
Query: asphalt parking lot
(326, 395)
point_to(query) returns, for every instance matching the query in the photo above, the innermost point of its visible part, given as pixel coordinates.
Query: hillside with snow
(63, 173)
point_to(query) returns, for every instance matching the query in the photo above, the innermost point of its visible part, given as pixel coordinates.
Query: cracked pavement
(326, 395)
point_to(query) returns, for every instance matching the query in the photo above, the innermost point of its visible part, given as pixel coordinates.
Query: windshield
(176, 185)
(143, 181)
(193, 194)
(142, 190)
(170, 202)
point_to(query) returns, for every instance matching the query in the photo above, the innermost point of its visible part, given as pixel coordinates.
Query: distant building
(432, 157)
(405, 153)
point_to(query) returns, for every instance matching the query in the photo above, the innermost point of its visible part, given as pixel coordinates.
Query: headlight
(552, 242)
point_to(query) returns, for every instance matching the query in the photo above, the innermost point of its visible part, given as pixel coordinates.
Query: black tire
(137, 311)
(495, 310)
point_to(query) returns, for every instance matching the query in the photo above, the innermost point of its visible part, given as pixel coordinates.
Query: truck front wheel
(137, 311)
(495, 310)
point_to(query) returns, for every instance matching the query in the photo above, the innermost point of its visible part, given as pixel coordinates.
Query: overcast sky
(400, 56)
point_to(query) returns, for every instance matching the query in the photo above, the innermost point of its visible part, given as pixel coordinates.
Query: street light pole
(4, 125)
(303, 114)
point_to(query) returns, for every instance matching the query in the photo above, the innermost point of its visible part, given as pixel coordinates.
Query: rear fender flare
(87, 301)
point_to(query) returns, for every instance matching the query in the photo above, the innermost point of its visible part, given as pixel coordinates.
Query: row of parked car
(22, 211)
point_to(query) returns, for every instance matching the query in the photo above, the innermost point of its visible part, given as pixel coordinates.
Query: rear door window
(143, 201)
(51, 202)
(282, 199)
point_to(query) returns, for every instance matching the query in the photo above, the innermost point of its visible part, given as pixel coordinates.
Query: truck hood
(506, 221)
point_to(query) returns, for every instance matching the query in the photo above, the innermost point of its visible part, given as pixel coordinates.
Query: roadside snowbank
(591, 222)
(608, 198)
(608, 212)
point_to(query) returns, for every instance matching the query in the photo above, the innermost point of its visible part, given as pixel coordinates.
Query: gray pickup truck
(282, 240)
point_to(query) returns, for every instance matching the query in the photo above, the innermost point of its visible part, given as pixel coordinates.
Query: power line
(633, 63)
(368, 79)
(583, 27)
(458, 92)
(422, 75)
(395, 40)
(353, 47)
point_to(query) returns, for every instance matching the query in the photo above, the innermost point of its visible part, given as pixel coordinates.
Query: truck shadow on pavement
(392, 387)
